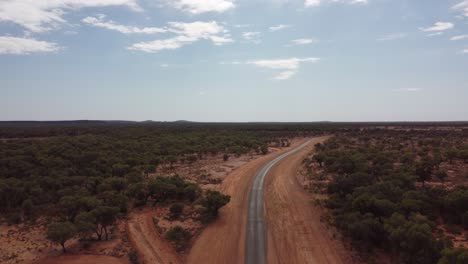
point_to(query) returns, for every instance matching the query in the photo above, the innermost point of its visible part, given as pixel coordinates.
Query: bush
(176, 210)
(179, 237)
(60, 232)
(212, 202)
(133, 257)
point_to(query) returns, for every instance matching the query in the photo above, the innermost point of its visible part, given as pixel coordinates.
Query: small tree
(176, 210)
(191, 192)
(319, 158)
(441, 175)
(424, 171)
(213, 201)
(148, 169)
(105, 216)
(264, 149)
(179, 237)
(28, 208)
(60, 232)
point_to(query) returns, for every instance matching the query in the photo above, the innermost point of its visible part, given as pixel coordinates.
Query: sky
(234, 60)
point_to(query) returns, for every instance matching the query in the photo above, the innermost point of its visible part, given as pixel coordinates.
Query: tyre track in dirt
(295, 233)
(151, 247)
(255, 244)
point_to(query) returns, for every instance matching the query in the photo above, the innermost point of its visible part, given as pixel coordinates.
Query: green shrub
(179, 237)
(176, 210)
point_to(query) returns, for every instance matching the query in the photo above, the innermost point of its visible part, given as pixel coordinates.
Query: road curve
(255, 240)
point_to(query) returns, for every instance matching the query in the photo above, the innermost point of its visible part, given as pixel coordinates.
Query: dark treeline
(375, 198)
(21, 129)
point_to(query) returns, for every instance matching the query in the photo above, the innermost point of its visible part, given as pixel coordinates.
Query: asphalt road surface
(255, 240)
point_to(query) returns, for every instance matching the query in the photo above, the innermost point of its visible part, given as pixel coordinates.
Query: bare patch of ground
(147, 240)
(83, 259)
(22, 243)
(27, 243)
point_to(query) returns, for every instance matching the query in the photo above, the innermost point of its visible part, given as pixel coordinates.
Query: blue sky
(234, 60)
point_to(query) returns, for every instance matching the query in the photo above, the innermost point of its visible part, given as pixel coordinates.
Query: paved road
(255, 241)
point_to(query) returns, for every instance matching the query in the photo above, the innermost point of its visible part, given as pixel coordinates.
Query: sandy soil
(23, 243)
(295, 233)
(84, 259)
(224, 240)
(151, 247)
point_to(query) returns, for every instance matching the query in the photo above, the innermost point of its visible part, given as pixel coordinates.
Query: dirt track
(83, 259)
(149, 245)
(294, 231)
(224, 240)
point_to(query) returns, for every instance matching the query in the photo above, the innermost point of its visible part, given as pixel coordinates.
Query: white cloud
(409, 89)
(394, 36)
(279, 27)
(186, 33)
(313, 3)
(111, 25)
(460, 37)
(241, 26)
(309, 3)
(24, 46)
(231, 63)
(435, 34)
(201, 6)
(252, 37)
(462, 7)
(285, 75)
(288, 67)
(303, 41)
(465, 51)
(221, 40)
(45, 15)
(438, 26)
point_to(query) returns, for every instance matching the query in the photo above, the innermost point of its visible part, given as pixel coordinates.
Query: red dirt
(295, 233)
(224, 240)
(83, 259)
(151, 247)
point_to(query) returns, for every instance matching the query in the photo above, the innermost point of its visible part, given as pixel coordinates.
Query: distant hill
(71, 123)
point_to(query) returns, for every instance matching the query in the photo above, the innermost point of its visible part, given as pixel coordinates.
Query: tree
(213, 201)
(264, 149)
(454, 256)
(28, 208)
(441, 175)
(424, 171)
(179, 237)
(171, 159)
(70, 206)
(161, 190)
(319, 158)
(176, 210)
(451, 155)
(412, 239)
(86, 224)
(192, 192)
(105, 216)
(148, 169)
(60, 232)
